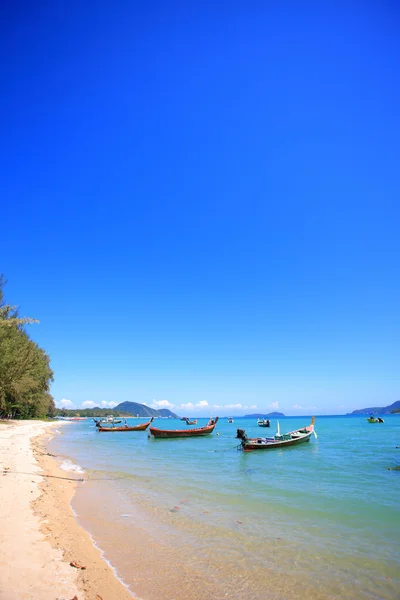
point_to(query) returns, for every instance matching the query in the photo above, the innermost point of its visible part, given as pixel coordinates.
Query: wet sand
(40, 536)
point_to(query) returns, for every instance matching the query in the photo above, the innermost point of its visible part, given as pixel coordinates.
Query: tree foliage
(90, 412)
(25, 373)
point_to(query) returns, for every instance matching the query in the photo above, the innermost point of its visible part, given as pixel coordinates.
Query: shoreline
(176, 544)
(40, 533)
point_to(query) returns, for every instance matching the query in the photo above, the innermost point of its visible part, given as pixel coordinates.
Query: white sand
(30, 568)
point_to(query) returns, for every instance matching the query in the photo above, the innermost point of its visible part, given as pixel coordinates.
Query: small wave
(67, 465)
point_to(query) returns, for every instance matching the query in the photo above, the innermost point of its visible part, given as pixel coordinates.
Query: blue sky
(201, 203)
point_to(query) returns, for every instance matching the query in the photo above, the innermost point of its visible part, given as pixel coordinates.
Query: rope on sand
(8, 472)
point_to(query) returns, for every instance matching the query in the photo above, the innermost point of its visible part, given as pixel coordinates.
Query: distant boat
(107, 420)
(126, 427)
(111, 419)
(193, 422)
(183, 433)
(263, 423)
(372, 419)
(230, 419)
(279, 440)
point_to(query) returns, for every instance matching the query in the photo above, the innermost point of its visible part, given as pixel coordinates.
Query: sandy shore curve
(44, 553)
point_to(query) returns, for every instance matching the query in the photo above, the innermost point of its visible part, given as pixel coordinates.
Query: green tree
(25, 373)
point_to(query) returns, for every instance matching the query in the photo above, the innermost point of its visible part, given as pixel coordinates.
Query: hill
(380, 410)
(134, 408)
(125, 409)
(262, 416)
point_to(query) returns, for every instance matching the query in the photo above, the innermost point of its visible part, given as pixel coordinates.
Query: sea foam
(67, 465)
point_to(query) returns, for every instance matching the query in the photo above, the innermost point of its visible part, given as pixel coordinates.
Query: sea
(197, 518)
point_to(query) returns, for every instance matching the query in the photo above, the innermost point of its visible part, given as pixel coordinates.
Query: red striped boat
(184, 433)
(125, 427)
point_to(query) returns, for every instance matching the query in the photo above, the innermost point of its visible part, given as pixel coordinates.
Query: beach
(168, 520)
(200, 222)
(40, 537)
(195, 518)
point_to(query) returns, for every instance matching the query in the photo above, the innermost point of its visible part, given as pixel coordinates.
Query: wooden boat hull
(141, 427)
(183, 433)
(293, 438)
(248, 447)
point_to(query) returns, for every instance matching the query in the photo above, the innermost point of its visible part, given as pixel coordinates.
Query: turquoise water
(321, 518)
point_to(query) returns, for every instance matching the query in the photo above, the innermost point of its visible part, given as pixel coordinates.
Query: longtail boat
(372, 419)
(126, 427)
(263, 423)
(183, 433)
(189, 422)
(277, 441)
(107, 420)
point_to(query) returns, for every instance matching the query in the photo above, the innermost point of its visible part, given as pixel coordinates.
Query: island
(124, 409)
(273, 415)
(379, 410)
